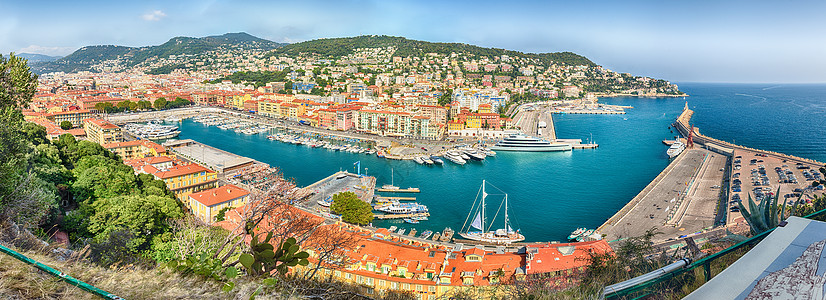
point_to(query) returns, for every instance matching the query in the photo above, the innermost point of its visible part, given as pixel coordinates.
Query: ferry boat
(480, 230)
(153, 131)
(402, 208)
(675, 149)
(523, 143)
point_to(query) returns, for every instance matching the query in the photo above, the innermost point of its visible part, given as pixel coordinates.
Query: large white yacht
(521, 142)
(675, 149)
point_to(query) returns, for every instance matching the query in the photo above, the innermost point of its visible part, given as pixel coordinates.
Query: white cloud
(156, 15)
(52, 51)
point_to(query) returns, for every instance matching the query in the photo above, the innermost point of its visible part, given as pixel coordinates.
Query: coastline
(657, 95)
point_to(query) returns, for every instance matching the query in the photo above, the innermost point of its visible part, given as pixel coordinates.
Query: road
(681, 200)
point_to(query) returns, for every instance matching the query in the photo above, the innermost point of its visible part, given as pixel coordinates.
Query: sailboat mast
(506, 214)
(391, 177)
(484, 195)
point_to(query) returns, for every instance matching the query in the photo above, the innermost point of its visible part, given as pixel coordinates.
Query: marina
(563, 189)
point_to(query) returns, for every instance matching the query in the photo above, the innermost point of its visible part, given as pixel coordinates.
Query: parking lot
(760, 175)
(323, 190)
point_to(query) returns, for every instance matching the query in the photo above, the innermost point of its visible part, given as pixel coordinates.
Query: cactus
(263, 258)
(764, 216)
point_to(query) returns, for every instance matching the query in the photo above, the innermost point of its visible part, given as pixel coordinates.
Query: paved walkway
(679, 201)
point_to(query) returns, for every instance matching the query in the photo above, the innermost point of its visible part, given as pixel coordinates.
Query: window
(402, 272)
(406, 286)
(431, 289)
(382, 283)
(394, 285)
(419, 287)
(369, 281)
(385, 269)
(348, 275)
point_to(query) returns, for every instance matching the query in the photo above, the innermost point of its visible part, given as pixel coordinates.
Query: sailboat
(481, 230)
(390, 186)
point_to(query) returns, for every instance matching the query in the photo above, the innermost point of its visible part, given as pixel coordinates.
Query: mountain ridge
(83, 58)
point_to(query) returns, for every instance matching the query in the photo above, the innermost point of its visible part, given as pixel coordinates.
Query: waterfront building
(207, 203)
(135, 149)
(392, 123)
(101, 131)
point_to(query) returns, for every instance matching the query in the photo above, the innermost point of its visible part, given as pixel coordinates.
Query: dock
(407, 190)
(396, 198)
(400, 216)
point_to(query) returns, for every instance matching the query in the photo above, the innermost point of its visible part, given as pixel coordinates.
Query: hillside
(85, 58)
(33, 57)
(336, 47)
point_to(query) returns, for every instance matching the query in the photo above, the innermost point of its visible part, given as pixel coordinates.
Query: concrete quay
(681, 200)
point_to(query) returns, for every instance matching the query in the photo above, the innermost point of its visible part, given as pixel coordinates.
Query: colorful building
(135, 149)
(101, 131)
(207, 203)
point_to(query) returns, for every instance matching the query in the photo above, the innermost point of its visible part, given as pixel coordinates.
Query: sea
(551, 194)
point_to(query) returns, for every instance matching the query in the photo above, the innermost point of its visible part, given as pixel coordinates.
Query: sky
(680, 41)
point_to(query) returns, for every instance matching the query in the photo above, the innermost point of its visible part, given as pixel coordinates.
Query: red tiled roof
(219, 195)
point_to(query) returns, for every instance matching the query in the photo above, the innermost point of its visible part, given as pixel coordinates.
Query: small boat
(411, 221)
(412, 232)
(426, 234)
(437, 160)
(436, 236)
(584, 235)
(447, 235)
(419, 218)
(578, 232)
(401, 231)
(418, 160)
(427, 160)
(392, 228)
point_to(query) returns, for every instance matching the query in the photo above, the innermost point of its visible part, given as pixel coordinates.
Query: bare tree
(330, 243)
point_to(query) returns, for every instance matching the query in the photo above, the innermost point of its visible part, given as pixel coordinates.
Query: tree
(351, 208)
(160, 103)
(145, 217)
(66, 125)
(143, 105)
(24, 198)
(104, 107)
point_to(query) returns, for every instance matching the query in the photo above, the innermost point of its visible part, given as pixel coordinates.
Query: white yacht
(675, 149)
(481, 229)
(524, 143)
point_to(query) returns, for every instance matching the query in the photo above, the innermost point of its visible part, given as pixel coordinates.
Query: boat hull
(491, 238)
(550, 148)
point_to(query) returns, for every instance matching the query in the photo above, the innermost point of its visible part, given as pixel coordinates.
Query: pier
(396, 198)
(400, 216)
(407, 190)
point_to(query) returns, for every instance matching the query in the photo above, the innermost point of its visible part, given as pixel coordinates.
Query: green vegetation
(351, 208)
(256, 78)
(764, 216)
(337, 47)
(66, 125)
(84, 58)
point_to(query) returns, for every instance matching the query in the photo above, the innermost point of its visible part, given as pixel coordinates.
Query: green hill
(336, 47)
(84, 58)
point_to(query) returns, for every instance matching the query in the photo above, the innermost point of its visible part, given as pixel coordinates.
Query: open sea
(551, 194)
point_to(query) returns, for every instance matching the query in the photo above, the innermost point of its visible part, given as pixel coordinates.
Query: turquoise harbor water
(551, 194)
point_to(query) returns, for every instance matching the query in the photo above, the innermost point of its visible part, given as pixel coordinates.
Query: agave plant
(764, 216)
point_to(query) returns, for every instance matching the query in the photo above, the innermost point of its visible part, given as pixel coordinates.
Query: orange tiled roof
(219, 195)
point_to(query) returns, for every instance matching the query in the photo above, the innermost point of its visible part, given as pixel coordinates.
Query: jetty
(396, 198)
(400, 216)
(407, 190)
